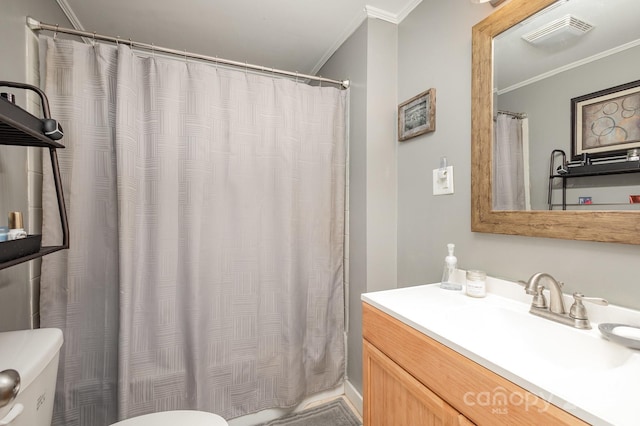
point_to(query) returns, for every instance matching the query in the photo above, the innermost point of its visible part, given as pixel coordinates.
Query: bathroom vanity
(432, 355)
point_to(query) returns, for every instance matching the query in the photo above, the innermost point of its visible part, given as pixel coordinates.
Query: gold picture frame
(417, 115)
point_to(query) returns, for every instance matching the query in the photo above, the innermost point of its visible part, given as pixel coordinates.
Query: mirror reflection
(567, 109)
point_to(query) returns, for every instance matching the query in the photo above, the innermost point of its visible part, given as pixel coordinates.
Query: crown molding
(374, 12)
(351, 28)
(70, 14)
(567, 67)
(367, 12)
(408, 9)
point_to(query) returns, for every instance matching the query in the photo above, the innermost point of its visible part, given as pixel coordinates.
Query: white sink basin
(577, 370)
(550, 345)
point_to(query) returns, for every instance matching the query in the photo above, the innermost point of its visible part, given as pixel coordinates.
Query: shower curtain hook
(55, 34)
(245, 68)
(296, 77)
(216, 62)
(153, 50)
(186, 60)
(94, 39)
(117, 40)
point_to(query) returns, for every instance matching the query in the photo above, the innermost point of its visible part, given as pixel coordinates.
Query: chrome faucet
(556, 311)
(534, 287)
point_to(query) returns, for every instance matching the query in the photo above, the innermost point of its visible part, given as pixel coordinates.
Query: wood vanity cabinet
(412, 380)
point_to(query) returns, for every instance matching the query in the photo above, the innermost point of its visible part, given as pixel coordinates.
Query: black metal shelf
(42, 252)
(585, 170)
(602, 169)
(18, 127)
(21, 128)
(595, 204)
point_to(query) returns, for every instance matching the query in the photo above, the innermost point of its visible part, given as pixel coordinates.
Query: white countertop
(577, 370)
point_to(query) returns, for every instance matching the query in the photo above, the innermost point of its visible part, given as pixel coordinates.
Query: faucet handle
(539, 301)
(596, 300)
(578, 311)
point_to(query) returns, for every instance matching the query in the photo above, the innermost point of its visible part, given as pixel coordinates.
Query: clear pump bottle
(448, 281)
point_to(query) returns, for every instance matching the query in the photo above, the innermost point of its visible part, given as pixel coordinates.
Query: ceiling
(293, 35)
(615, 24)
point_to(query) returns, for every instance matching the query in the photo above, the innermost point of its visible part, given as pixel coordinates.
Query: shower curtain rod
(36, 25)
(514, 114)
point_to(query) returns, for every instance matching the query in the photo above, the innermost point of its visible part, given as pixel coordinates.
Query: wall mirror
(498, 78)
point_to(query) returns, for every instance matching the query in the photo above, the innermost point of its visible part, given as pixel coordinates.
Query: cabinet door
(392, 397)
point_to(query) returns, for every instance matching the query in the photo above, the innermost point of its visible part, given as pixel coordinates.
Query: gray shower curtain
(206, 210)
(510, 163)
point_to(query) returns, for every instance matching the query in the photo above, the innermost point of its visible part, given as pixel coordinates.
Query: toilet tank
(34, 354)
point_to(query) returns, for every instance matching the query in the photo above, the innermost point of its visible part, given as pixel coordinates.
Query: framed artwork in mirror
(417, 115)
(606, 123)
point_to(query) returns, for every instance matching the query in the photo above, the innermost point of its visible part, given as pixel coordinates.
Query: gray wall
(368, 59)
(350, 61)
(548, 106)
(435, 51)
(19, 285)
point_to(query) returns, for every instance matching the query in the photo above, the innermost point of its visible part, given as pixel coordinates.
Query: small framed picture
(417, 115)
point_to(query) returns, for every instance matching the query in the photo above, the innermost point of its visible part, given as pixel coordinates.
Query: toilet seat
(173, 418)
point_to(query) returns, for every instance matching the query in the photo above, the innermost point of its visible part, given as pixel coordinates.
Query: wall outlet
(443, 181)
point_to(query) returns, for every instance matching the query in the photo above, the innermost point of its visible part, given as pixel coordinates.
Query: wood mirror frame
(606, 226)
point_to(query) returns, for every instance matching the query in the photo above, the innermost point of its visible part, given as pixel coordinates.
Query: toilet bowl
(172, 418)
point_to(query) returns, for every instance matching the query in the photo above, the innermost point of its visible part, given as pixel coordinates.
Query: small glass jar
(476, 283)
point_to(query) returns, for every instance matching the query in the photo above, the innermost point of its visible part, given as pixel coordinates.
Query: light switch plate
(443, 181)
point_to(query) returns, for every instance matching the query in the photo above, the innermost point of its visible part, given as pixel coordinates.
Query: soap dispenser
(448, 281)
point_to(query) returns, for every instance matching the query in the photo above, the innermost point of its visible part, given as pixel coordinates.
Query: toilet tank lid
(29, 352)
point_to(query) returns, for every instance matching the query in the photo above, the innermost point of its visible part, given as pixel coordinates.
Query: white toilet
(34, 355)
